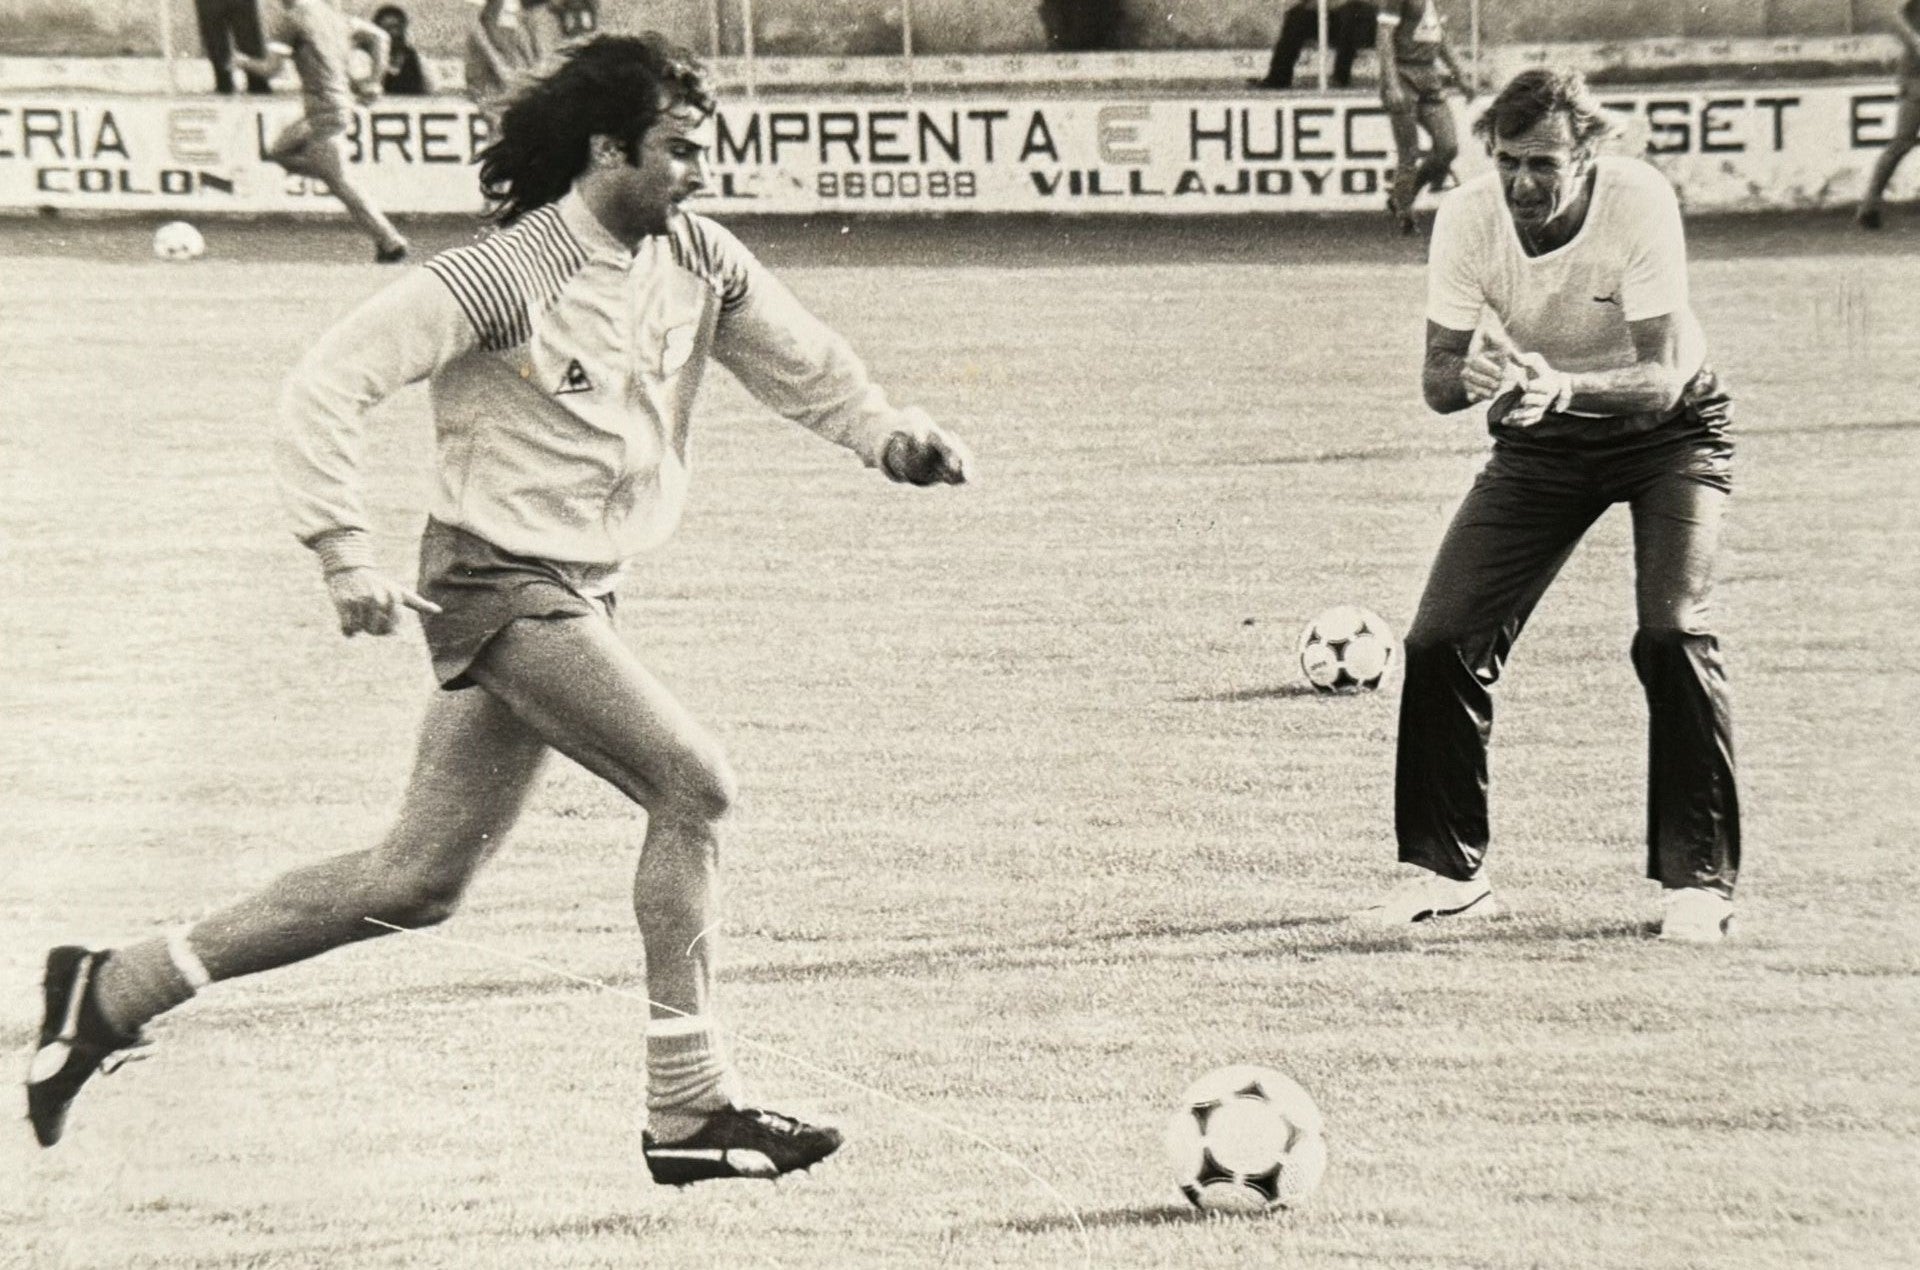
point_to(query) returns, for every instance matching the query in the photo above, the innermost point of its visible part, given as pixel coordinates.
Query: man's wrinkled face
(1542, 170)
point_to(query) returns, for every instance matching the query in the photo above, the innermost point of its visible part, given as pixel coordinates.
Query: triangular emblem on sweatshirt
(575, 380)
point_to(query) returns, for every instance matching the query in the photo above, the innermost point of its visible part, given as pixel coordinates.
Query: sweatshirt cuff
(343, 549)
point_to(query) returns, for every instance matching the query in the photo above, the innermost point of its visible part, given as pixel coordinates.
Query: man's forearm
(1440, 382)
(1638, 389)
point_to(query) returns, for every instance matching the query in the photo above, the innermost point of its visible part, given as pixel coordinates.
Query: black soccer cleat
(75, 1041)
(739, 1142)
(396, 254)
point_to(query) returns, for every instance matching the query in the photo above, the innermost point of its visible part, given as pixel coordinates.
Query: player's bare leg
(1407, 167)
(583, 690)
(1436, 116)
(325, 159)
(473, 770)
(1906, 133)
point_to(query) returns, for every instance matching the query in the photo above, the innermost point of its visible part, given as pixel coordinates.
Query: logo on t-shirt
(575, 380)
(676, 346)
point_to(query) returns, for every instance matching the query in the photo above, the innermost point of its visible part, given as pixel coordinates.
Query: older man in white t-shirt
(1557, 292)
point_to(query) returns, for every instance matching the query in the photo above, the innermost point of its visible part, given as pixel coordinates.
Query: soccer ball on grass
(1246, 1139)
(1347, 649)
(177, 240)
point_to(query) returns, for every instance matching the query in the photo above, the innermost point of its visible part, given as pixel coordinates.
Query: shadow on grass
(1104, 1219)
(1320, 935)
(1276, 693)
(1027, 954)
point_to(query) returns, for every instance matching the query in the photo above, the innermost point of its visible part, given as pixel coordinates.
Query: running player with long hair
(564, 353)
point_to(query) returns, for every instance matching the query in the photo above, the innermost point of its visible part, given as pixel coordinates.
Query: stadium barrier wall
(1626, 60)
(1777, 147)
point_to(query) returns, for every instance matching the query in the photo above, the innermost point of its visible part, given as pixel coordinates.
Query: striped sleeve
(785, 356)
(713, 255)
(501, 282)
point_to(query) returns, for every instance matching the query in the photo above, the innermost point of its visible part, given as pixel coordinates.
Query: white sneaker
(1428, 897)
(1695, 915)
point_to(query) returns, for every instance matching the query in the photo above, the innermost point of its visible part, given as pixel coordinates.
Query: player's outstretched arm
(1460, 76)
(378, 46)
(1393, 94)
(801, 368)
(265, 66)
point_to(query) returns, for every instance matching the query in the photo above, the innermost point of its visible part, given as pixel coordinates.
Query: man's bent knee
(417, 900)
(702, 789)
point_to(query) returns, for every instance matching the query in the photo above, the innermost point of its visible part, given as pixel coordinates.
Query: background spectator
(226, 27)
(404, 75)
(1351, 26)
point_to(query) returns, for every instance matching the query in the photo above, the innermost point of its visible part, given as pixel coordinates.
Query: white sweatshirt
(564, 368)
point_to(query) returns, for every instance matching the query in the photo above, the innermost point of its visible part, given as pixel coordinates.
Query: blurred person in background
(404, 75)
(228, 27)
(319, 40)
(1352, 25)
(510, 42)
(1413, 47)
(1904, 22)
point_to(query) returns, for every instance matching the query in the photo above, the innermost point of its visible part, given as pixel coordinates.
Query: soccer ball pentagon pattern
(1246, 1139)
(177, 240)
(1347, 649)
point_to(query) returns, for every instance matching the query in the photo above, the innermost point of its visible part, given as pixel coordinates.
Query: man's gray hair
(1534, 94)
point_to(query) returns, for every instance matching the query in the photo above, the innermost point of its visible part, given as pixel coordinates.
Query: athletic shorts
(480, 589)
(1425, 85)
(309, 130)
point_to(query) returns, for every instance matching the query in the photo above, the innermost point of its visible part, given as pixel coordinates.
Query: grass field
(1037, 823)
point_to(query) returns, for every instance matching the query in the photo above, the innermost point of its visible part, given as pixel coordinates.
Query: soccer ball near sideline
(177, 240)
(1347, 649)
(1246, 1139)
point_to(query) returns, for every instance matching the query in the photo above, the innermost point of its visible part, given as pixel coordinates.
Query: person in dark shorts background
(1417, 66)
(1571, 268)
(564, 353)
(1904, 22)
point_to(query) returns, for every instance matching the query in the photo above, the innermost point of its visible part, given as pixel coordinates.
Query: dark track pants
(1526, 512)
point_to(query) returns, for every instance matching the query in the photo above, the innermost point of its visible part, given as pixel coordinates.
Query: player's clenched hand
(1492, 368)
(1543, 391)
(366, 600)
(926, 454)
(1488, 373)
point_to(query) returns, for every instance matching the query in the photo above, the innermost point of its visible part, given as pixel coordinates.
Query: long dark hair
(610, 86)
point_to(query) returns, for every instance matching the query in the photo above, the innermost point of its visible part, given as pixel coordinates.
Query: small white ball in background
(177, 240)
